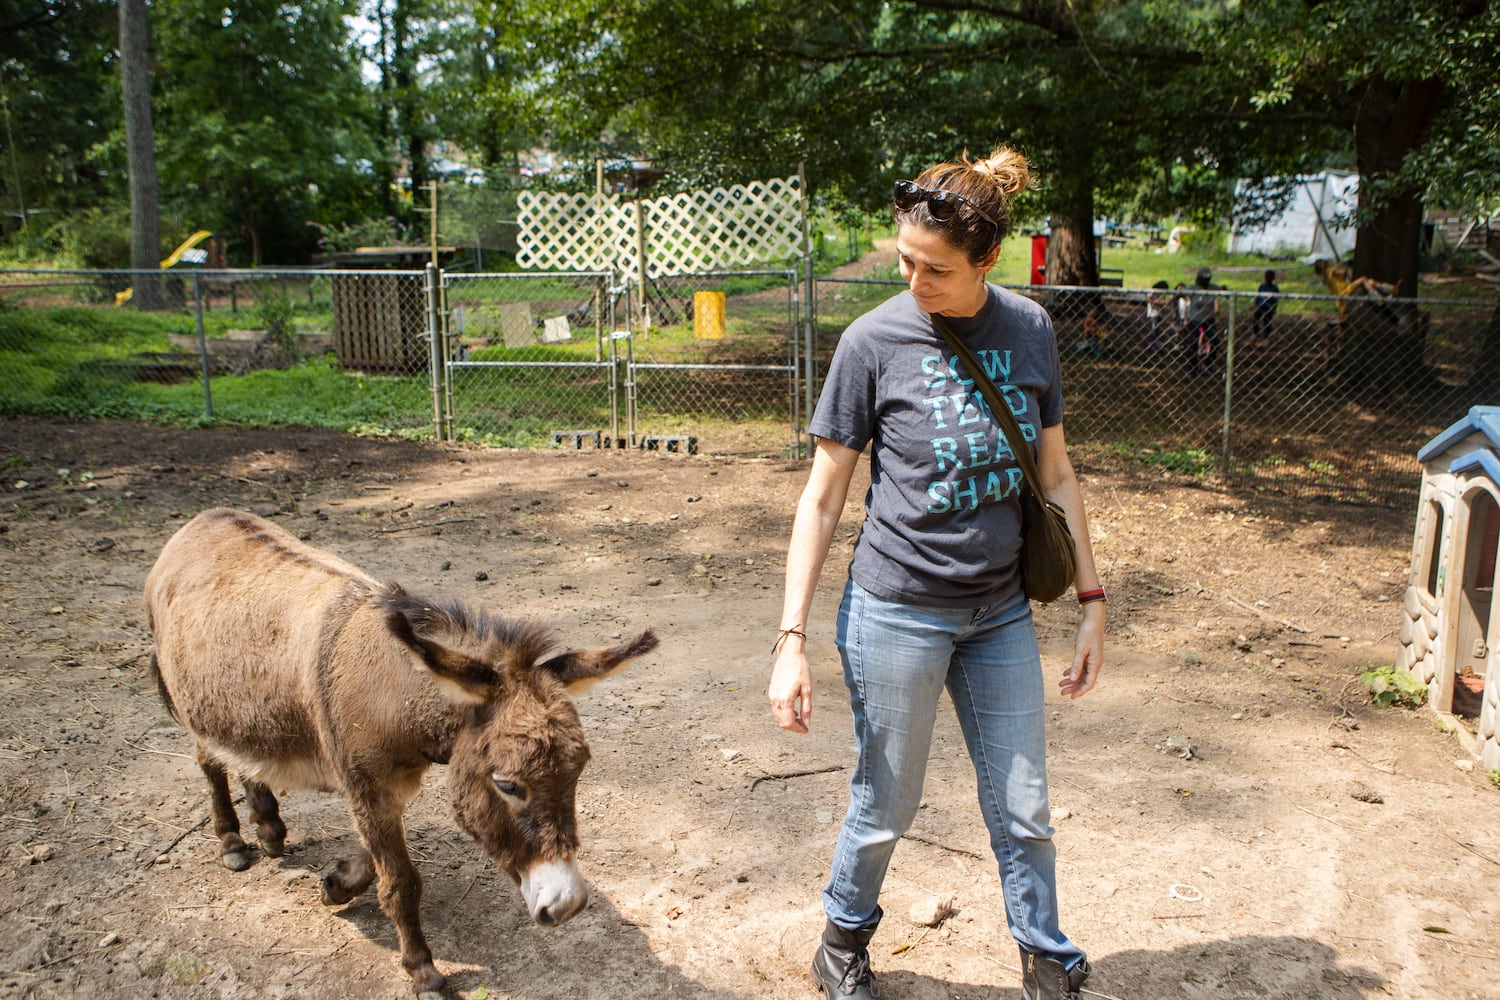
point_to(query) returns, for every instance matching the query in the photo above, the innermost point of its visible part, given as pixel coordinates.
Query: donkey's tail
(161, 687)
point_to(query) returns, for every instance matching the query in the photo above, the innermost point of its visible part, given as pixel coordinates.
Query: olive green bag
(1049, 559)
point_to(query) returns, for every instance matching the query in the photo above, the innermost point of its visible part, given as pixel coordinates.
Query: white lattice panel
(699, 231)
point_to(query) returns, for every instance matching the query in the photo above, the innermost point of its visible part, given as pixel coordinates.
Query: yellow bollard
(708, 315)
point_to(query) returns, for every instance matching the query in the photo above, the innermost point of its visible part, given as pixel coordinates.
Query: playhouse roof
(1479, 420)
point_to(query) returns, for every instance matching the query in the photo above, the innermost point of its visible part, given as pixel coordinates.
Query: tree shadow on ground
(1268, 968)
(484, 939)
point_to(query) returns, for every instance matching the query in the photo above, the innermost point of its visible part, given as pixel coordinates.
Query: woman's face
(941, 278)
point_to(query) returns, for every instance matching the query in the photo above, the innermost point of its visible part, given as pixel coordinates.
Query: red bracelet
(1088, 596)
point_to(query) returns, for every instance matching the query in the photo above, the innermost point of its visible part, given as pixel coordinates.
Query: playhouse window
(1488, 537)
(1434, 545)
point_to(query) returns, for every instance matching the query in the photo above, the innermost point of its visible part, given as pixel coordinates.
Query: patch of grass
(1196, 462)
(184, 968)
(1391, 686)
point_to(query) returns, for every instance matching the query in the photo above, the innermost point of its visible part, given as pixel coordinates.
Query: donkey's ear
(578, 669)
(462, 676)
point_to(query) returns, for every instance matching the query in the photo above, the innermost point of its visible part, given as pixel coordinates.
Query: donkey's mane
(528, 641)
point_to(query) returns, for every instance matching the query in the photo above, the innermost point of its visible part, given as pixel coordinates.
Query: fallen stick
(1268, 617)
(794, 774)
(179, 839)
(922, 838)
(1470, 848)
(429, 524)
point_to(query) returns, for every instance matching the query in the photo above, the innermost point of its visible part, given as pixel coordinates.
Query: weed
(276, 311)
(1196, 462)
(1390, 685)
(1494, 777)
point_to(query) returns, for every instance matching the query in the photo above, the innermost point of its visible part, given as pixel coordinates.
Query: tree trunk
(1384, 348)
(252, 229)
(1071, 259)
(403, 63)
(385, 171)
(1390, 121)
(140, 151)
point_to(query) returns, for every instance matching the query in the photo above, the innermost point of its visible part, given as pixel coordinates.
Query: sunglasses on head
(941, 205)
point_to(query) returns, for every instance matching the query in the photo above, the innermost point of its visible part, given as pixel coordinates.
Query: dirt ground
(1235, 819)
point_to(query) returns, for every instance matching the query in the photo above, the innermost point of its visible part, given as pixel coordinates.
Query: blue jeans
(897, 659)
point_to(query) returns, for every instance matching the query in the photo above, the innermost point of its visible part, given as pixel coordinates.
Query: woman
(933, 597)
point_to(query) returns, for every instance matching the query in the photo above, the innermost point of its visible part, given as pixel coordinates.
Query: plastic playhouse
(1449, 635)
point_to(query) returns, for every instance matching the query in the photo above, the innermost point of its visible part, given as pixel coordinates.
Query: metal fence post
(1228, 390)
(208, 396)
(444, 312)
(435, 351)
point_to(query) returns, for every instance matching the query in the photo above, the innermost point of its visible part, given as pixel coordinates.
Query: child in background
(1265, 309)
(1156, 314)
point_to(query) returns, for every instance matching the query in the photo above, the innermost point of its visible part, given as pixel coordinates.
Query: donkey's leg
(265, 813)
(234, 853)
(400, 890)
(348, 879)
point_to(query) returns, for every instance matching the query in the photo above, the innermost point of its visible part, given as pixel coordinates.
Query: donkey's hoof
(428, 981)
(335, 893)
(273, 848)
(236, 860)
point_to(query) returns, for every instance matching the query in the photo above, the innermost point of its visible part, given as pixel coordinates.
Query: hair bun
(1009, 169)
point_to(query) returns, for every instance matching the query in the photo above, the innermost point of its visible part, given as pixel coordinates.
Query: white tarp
(1314, 224)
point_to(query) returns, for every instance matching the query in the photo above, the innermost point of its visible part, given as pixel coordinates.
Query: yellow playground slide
(123, 297)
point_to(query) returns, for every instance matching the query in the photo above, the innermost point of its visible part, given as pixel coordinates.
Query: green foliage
(384, 231)
(58, 103)
(1196, 462)
(1136, 109)
(276, 313)
(92, 238)
(1391, 686)
(1323, 63)
(263, 121)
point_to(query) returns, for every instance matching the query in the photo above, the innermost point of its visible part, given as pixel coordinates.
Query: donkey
(294, 669)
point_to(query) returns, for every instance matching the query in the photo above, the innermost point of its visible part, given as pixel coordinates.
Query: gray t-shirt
(942, 522)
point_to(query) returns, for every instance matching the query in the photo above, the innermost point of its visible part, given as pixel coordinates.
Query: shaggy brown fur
(297, 670)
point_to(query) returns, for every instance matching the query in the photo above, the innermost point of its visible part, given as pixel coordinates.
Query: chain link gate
(530, 359)
(719, 365)
(706, 355)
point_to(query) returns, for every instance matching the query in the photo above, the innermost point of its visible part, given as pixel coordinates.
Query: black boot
(842, 964)
(1046, 979)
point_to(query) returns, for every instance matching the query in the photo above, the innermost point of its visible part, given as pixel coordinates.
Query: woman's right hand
(818, 513)
(790, 692)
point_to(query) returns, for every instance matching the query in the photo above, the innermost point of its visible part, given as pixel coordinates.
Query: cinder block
(686, 443)
(576, 438)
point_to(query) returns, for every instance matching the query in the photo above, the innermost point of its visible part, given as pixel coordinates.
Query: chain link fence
(1307, 395)
(347, 348)
(531, 359)
(705, 360)
(714, 361)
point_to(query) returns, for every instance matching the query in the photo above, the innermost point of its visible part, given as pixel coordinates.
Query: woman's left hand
(1088, 653)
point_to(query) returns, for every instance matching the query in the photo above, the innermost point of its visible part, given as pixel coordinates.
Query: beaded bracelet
(783, 633)
(1088, 596)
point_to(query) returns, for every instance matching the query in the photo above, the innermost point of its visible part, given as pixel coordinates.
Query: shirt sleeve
(846, 407)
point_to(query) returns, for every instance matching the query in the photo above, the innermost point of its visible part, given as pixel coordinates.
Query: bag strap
(998, 407)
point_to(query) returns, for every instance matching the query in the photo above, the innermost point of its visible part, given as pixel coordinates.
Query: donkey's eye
(508, 788)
